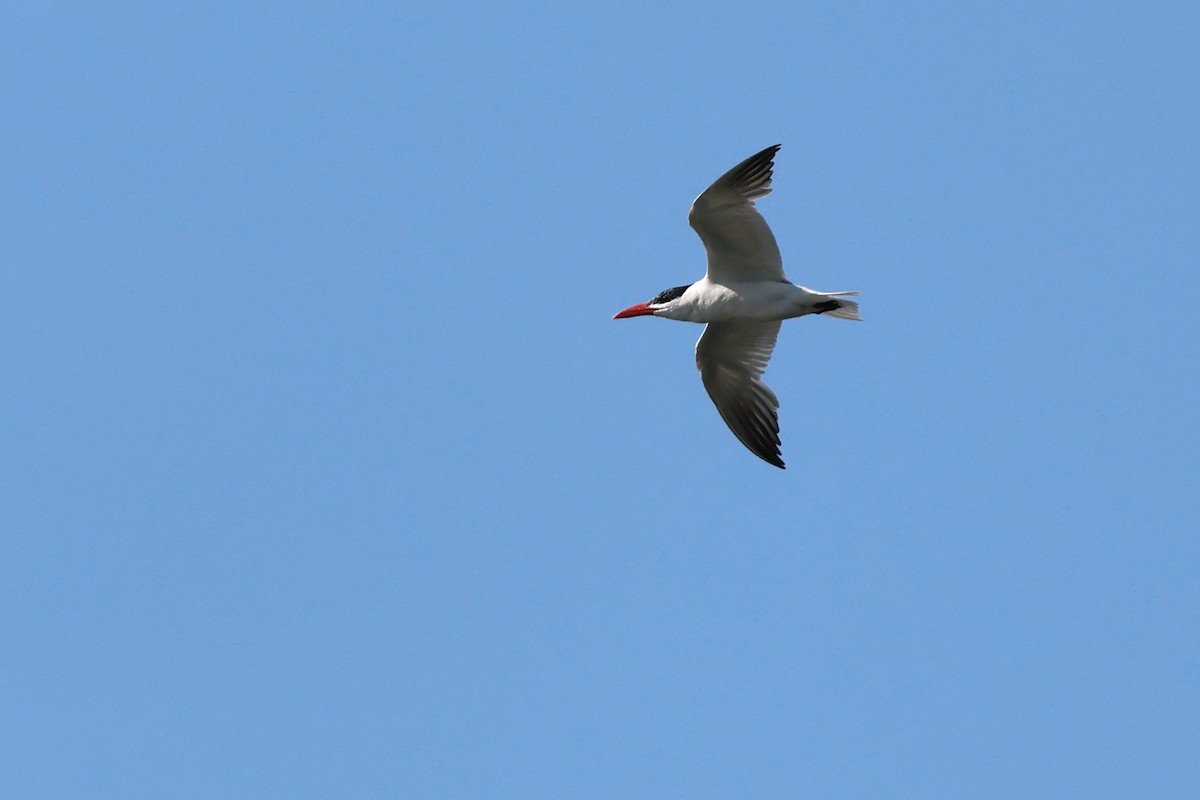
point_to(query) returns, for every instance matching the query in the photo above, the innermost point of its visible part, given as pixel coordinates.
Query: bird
(743, 299)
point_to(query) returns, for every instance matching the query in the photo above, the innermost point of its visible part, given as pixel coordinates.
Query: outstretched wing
(731, 357)
(739, 242)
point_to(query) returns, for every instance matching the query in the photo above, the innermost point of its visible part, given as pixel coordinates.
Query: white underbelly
(762, 301)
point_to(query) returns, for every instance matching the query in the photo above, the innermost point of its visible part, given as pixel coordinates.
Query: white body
(706, 301)
(744, 296)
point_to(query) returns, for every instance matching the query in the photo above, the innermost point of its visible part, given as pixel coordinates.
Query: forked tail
(839, 308)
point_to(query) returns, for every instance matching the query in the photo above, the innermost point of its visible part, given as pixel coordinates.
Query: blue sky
(327, 473)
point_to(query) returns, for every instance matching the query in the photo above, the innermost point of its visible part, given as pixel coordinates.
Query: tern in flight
(743, 298)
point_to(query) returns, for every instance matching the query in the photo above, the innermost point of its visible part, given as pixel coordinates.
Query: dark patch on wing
(752, 177)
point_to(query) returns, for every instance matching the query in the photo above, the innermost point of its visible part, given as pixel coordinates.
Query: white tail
(848, 309)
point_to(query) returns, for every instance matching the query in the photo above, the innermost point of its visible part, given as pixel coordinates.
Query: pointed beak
(640, 310)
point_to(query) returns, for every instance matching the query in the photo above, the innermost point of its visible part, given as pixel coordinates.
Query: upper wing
(731, 357)
(740, 245)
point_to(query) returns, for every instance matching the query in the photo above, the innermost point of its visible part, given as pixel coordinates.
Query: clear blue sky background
(326, 472)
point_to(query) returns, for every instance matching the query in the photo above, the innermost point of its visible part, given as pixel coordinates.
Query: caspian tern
(744, 296)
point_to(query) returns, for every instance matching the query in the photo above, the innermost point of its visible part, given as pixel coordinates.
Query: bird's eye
(669, 295)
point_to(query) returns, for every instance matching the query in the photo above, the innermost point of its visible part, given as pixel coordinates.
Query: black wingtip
(766, 154)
